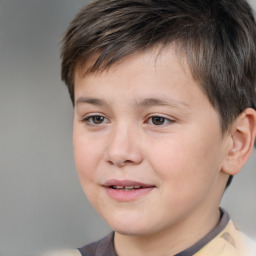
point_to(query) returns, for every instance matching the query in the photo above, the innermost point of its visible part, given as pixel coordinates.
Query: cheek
(184, 162)
(184, 174)
(171, 158)
(86, 156)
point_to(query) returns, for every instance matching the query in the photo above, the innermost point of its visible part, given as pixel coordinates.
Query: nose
(124, 147)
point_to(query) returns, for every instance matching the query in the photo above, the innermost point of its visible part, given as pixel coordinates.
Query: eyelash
(163, 120)
(88, 120)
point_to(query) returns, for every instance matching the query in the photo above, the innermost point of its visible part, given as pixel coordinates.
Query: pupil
(97, 119)
(158, 120)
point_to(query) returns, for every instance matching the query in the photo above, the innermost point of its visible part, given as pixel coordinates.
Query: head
(214, 44)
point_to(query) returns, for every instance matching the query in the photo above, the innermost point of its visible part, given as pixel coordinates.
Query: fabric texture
(103, 247)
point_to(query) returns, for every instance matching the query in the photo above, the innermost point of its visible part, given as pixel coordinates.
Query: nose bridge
(123, 146)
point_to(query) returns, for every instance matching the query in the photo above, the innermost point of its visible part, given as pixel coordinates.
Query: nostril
(110, 162)
(120, 163)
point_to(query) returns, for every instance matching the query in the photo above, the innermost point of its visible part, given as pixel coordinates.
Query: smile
(127, 190)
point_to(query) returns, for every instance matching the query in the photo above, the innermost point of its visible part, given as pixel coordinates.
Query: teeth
(118, 187)
(129, 187)
(126, 187)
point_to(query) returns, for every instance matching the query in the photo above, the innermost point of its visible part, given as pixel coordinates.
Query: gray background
(42, 206)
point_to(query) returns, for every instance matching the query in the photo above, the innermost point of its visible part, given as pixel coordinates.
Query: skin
(118, 135)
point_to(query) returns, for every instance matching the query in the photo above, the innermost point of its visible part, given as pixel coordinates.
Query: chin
(131, 231)
(132, 227)
(125, 225)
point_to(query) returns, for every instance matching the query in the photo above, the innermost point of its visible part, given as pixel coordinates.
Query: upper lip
(126, 183)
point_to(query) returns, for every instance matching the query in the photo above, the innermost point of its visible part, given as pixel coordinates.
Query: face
(148, 145)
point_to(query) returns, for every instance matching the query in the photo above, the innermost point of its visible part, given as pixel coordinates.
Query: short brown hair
(217, 36)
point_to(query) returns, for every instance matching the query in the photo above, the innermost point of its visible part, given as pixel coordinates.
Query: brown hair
(217, 36)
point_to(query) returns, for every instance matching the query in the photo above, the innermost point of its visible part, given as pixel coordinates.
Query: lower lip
(128, 195)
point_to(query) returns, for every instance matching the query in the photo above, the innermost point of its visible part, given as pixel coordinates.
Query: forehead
(145, 74)
(154, 56)
(154, 69)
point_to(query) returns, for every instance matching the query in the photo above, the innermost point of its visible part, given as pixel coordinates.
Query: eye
(159, 120)
(95, 120)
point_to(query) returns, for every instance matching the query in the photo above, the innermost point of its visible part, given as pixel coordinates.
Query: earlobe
(242, 137)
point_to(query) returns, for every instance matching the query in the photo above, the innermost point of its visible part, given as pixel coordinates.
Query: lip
(127, 183)
(127, 195)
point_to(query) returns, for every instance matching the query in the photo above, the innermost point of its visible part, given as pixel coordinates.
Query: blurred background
(42, 206)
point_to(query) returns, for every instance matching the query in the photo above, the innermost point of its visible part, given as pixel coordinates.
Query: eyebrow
(92, 101)
(148, 102)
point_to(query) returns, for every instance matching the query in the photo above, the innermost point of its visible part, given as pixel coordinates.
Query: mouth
(126, 185)
(127, 190)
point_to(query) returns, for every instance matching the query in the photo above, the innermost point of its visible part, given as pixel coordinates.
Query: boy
(164, 115)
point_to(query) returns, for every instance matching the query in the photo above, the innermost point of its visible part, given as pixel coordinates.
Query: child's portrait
(159, 100)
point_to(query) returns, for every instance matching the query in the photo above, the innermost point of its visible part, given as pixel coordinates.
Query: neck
(169, 241)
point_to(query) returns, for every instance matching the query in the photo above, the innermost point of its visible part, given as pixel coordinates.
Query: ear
(242, 136)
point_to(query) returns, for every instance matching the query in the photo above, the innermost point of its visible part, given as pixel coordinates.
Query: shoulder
(249, 244)
(245, 245)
